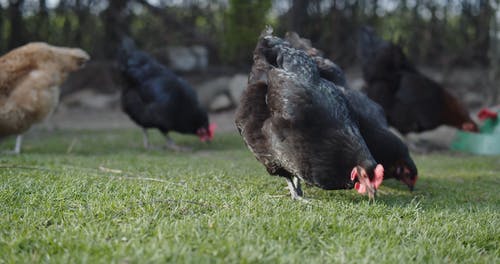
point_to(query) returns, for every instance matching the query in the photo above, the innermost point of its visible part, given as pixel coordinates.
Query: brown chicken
(412, 101)
(29, 84)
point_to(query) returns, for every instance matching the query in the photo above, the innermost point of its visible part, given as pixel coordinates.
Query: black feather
(154, 97)
(296, 123)
(387, 149)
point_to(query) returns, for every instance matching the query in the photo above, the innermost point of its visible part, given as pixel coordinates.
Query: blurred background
(210, 43)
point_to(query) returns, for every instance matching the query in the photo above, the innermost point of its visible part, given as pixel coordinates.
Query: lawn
(98, 197)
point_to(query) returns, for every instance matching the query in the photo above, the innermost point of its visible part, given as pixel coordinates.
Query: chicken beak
(364, 184)
(80, 56)
(372, 195)
(82, 62)
(368, 187)
(409, 181)
(205, 135)
(371, 191)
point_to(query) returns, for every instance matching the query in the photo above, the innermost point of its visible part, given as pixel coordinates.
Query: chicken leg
(17, 148)
(19, 142)
(295, 188)
(145, 138)
(171, 145)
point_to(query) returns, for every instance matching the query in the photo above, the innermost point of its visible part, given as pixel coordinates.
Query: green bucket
(486, 142)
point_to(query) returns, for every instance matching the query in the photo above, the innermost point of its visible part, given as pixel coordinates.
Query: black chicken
(299, 125)
(412, 102)
(385, 147)
(154, 97)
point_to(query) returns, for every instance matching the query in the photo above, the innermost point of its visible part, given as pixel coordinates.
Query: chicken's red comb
(486, 113)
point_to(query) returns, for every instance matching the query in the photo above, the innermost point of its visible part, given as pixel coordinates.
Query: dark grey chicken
(387, 149)
(299, 126)
(412, 102)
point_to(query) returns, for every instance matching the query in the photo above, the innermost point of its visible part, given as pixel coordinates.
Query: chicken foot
(171, 145)
(145, 140)
(17, 148)
(170, 142)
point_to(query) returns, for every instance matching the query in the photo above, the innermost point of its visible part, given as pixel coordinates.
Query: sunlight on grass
(99, 197)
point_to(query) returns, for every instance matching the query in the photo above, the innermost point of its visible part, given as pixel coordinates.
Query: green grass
(61, 201)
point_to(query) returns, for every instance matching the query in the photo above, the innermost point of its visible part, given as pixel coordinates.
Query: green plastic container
(486, 142)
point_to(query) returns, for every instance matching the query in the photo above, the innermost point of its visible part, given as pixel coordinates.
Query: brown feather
(29, 83)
